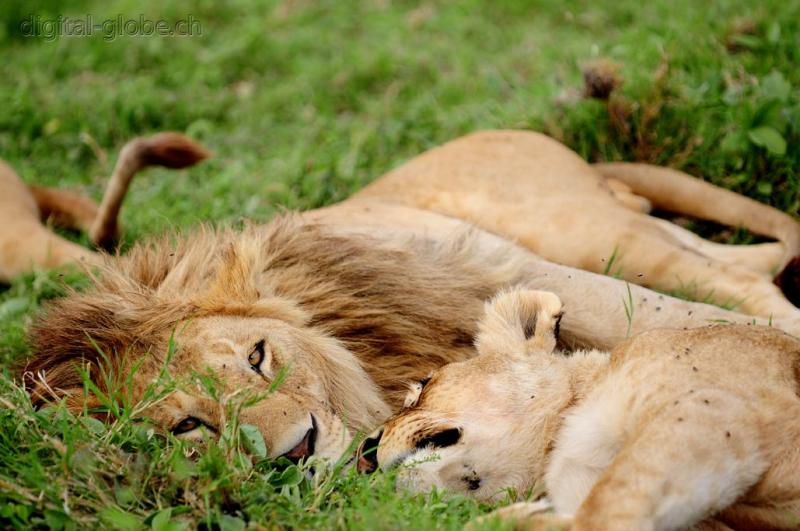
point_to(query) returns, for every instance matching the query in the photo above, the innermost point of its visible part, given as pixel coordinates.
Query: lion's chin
(305, 448)
(327, 439)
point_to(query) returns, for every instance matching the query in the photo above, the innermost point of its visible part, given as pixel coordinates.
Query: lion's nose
(367, 455)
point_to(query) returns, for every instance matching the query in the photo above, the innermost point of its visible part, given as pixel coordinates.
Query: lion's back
(735, 356)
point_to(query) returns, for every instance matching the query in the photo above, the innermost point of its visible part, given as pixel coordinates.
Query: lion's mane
(402, 310)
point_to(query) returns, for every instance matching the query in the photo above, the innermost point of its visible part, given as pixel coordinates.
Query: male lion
(670, 428)
(359, 298)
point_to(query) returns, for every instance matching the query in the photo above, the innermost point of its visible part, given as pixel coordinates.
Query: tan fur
(27, 244)
(387, 285)
(671, 429)
(530, 189)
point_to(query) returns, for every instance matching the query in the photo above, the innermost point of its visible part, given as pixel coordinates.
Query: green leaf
(56, 520)
(768, 138)
(182, 468)
(13, 307)
(124, 494)
(119, 519)
(733, 142)
(93, 425)
(775, 86)
(289, 477)
(161, 519)
(83, 459)
(764, 188)
(253, 440)
(230, 523)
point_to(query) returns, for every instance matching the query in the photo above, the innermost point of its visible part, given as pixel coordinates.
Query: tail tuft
(171, 150)
(789, 281)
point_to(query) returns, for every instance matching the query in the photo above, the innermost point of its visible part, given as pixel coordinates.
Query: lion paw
(534, 516)
(527, 316)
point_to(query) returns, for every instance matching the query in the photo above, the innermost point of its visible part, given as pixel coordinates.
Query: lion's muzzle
(305, 448)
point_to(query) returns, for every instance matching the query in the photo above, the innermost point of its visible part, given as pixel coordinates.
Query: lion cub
(671, 429)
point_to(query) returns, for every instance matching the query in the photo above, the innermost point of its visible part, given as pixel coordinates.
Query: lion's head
(349, 320)
(481, 426)
(311, 410)
(214, 304)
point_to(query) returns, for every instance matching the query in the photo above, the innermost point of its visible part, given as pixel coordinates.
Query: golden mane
(401, 310)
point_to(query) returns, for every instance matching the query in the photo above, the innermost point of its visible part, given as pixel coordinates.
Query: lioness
(359, 298)
(670, 428)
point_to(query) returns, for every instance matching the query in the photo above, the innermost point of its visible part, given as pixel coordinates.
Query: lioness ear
(519, 322)
(414, 392)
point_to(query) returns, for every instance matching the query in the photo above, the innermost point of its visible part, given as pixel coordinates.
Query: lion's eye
(186, 425)
(256, 357)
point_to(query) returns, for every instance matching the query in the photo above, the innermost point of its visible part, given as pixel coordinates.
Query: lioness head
(206, 307)
(481, 426)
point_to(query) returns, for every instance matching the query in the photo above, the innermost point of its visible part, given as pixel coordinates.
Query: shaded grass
(304, 102)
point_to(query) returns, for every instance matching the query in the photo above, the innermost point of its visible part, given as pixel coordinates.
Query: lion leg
(639, 250)
(625, 195)
(761, 258)
(636, 247)
(604, 310)
(693, 460)
(774, 503)
(656, 260)
(25, 243)
(527, 516)
(30, 246)
(601, 311)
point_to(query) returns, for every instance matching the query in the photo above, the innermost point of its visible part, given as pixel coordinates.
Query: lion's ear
(78, 337)
(61, 383)
(413, 394)
(519, 322)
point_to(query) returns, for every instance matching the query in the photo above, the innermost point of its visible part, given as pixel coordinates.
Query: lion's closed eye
(440, 439)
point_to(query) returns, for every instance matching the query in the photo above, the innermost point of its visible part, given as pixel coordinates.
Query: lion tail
(168, 149)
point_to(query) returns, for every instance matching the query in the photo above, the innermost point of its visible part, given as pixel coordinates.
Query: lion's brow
(225, 342)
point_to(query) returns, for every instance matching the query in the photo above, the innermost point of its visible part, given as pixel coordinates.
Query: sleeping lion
(671, 429)
(352, 301)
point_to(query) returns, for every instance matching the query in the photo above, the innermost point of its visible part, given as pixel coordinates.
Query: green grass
(304, 102)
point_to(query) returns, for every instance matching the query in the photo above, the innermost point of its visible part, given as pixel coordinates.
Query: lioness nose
(367, 455)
